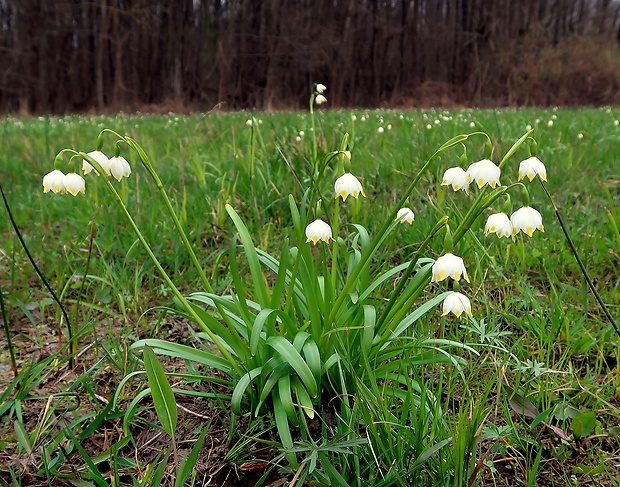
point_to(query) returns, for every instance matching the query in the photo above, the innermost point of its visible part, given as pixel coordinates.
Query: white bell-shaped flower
(54, 181)
(119, 167)
(526, 220)
(499, 224)
(456, 303)
(531, 168)
(449, 265)
(98, 156)
(484, 172)
(74, 183)
(457, 178)
(405, 215)
(318, 230)
(346, 185)
(320, 88)
(320, 99)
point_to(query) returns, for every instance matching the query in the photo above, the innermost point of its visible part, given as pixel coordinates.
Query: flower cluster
(73, 183)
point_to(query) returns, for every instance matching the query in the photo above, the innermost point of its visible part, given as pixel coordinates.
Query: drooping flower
(456, 303)
(318, 230)
(484, 172)
(98, 156)
(405, 215)
(457, 178)
(527, 220)
(320, 99)
(119, 167)
(449, 265)
(74, 183)
(531, 168)
(499, 224)
(346, 185)
(54, 181)
(320, 88)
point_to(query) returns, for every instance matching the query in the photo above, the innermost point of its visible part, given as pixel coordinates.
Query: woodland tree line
(101, 55)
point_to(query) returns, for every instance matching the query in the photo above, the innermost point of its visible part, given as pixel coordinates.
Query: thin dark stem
(7, 332)
(581, 266)
(40, 274)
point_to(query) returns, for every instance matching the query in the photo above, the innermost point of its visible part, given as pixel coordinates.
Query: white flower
(449, 265)
(98, 156)
(472, 124)
(318, 230)
(320, 88)
(616, 122)
(484, 172)
(346, 185)
(580, 136)
(527, 220)
(532, 167)
(550, 123)
(74, 183)
(54, 181)
(456, 303)
(499, 224)
(354, 117)
(405, 215)
(429, 126)
(301, 133)
(249, 122)
(320, 99)
(457, 178)
(119, 167)
(380, 130)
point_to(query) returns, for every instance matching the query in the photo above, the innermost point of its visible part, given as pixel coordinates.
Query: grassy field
(525, 392)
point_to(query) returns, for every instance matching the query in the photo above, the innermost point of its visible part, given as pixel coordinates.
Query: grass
(536, 404)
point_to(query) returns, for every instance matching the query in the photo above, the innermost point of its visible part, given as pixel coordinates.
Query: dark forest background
(103, 55)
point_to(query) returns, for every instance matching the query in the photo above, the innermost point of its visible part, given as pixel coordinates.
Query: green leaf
(22, 437)
(583, 424)
(284, 391)
(292, 356)
(163, 397)
(239, 390)
(284, 430)
(260, 283)
(188, 464)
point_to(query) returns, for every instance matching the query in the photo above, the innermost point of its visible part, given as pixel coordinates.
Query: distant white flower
(74, 183)
(457, 178)
(320, 88)
(354, 117)
(527, 220)
(320, 99)
(380, 130)
(449, 265)
(363, 118)
(550, 123)
(405, 215)
(472, 124)
(249, 122)
(484, 172)
(389, 126)
(119, 167)
(301, 133)
(532, 167)
(98, 156)
(428, 126)
(456, 303)
(298, 139)
(580, 136)
(318, 230)
(616, 122)
(346, 185)
(54, 181)
(528, 127)
(499, 224)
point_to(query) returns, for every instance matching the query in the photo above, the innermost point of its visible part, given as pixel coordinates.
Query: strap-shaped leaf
(292, 356)
(284, 391)
(185, 352)
(260, 283)
(240, 388)
(163, 397)
(303, 398)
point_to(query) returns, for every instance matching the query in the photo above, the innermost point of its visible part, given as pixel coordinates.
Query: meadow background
(538, 329)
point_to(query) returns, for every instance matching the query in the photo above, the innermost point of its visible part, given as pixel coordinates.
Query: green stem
(350, 282)
(581, 266)
(403, 280)
(40, 274)
(190, 310)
